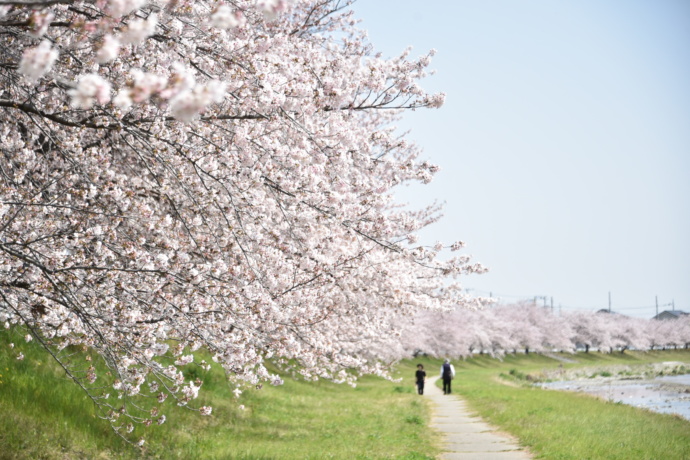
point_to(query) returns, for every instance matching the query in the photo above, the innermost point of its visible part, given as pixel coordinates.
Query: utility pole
(656, 297)
(552, 305)
(673, 304)
(609, 301)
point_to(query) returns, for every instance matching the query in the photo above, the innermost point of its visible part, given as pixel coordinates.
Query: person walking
(447, 374)
(420, 377)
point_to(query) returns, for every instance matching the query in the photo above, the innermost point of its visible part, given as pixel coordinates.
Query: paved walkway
(466, 437)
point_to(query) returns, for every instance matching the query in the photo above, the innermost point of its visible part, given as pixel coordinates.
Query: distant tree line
(526, 327)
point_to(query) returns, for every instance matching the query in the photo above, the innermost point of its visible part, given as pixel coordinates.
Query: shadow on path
(466, 437)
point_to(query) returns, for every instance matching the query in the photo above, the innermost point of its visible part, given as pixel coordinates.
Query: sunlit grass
(47, 416)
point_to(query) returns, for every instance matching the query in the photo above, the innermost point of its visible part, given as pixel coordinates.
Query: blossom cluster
(37, 61)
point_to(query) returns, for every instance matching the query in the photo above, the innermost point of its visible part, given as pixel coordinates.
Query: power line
(544, 298)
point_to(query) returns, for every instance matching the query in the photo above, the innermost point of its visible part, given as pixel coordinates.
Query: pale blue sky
(564, 143)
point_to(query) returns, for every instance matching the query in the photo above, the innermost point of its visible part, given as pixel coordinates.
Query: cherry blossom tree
(609, 331)
(662, 333)
(500, 329)
(632, 333)
(493, 329)
(684, 330)
(585, 326)
(473, 335)
(669, 333)
(184, 174)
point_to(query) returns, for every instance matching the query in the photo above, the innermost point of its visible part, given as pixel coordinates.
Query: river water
(670, 394)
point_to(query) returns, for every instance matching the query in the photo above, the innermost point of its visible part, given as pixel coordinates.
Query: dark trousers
(420, 387)
(446, 385)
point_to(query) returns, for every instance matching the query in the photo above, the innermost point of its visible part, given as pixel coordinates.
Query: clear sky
(564, 143)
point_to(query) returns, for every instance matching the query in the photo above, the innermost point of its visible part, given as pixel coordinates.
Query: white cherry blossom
(91, 88)
(224, 17)
(118, 8)
(108, 50)
(140, 29)
(39, 21)
(38, 61)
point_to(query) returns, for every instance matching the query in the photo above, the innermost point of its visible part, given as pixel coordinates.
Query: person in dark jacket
(447, 374)
(420, 377)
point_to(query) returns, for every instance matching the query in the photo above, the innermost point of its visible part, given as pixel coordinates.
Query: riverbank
(570, 425)
(660, 387)
(625, 371)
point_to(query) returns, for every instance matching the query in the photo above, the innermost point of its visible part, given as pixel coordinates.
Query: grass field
(45, 416)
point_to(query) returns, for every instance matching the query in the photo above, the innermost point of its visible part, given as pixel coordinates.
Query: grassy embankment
(561, 425)
(46, 416)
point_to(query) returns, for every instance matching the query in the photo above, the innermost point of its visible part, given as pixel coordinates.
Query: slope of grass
(563, 425)
(46, 416)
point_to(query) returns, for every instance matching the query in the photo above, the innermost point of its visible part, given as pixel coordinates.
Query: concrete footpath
(466, 437)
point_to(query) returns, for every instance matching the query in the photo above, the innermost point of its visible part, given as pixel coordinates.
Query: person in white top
(447, 374)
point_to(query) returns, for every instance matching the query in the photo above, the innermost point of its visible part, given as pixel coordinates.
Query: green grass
(46, 416)
(561, 425)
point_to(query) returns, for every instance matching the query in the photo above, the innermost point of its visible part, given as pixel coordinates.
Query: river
(669, 394)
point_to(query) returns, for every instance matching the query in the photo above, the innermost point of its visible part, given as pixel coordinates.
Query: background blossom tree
(185, 174)
(526, 327)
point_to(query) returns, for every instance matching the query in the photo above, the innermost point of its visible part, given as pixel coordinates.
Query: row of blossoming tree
(178, 175)
(526, 327)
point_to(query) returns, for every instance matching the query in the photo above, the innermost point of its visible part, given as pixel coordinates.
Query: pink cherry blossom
(39, 22)
(457, 246)
(271, 8)
(188, 104)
